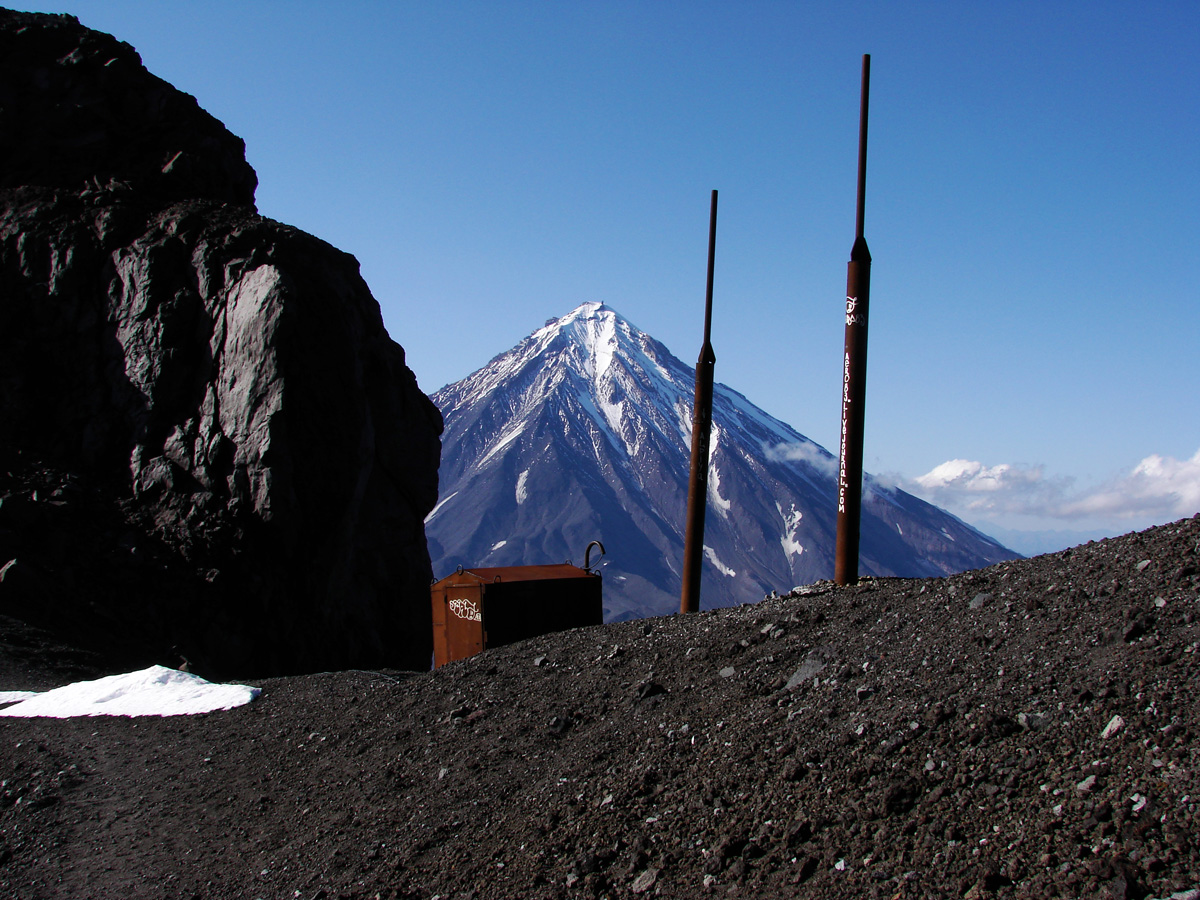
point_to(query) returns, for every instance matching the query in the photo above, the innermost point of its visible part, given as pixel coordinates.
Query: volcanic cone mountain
(583, 432)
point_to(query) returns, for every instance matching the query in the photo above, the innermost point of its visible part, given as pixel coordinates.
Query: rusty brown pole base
(693, 538)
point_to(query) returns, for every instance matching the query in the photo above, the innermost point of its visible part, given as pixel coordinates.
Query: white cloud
(806, 452)
(972, 485)
(1158, 487)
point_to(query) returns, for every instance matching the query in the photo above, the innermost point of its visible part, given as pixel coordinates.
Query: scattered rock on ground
(977, 767)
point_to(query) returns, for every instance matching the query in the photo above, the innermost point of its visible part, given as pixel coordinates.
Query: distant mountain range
(583, 432)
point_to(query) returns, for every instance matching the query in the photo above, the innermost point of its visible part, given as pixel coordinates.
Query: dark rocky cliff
(209, 445)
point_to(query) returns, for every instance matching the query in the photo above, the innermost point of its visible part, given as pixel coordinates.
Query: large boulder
(78, 108)
(210, 448)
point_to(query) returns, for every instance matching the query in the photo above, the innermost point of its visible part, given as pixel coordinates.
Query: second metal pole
(693, 539)
(854, 371)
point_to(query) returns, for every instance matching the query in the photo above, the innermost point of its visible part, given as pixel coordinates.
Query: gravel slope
(1027, 730)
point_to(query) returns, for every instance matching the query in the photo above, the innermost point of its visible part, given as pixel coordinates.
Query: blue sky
(1032, 207)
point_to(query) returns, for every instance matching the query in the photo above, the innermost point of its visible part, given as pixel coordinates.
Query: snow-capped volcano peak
(594, 334)
(597, 361)
(598, 332)
(583, 431)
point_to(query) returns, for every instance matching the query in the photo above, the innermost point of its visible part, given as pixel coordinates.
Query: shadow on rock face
(252, 459)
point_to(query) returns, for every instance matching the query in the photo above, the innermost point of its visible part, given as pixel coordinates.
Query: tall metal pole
(693, 539)
(854, 370)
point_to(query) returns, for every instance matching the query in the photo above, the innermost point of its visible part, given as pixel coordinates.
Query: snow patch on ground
(663, 374)
(604, 342)
(719, 503)
(683, 417)
(791, 523)
(612, 415)
(507, 439)
(498, 545)
(600, 419)
(156, 691)
(433, 512)
(522, 492)
(715, 560)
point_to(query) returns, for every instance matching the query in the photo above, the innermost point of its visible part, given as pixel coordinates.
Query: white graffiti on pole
(853, 317)
(845, 426)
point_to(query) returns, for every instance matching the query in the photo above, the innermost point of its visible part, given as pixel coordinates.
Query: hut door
(464, 621)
